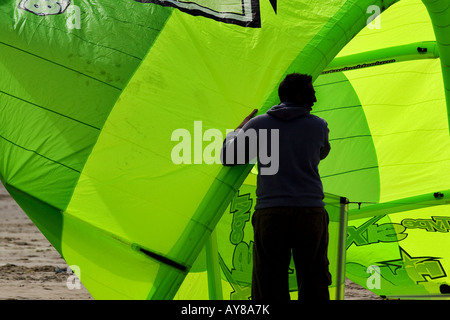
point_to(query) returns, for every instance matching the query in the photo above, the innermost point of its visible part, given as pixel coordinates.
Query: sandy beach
(30, 268)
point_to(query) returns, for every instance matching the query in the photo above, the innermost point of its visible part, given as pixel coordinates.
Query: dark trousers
(280, 231)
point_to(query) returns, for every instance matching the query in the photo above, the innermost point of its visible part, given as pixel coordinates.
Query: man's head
(297, 88)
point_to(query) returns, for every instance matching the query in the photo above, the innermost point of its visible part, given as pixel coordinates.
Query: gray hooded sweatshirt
(288, 156)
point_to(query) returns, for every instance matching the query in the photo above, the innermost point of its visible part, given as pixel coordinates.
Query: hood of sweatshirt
(287, 111)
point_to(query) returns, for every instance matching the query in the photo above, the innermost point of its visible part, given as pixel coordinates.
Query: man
(289, 213)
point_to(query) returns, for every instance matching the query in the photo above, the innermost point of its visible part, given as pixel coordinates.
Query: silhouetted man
(289, 213)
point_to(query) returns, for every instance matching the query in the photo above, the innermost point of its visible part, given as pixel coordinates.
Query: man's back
(302, 143)
(290, 219)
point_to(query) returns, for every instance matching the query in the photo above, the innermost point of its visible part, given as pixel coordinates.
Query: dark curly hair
(293, 84)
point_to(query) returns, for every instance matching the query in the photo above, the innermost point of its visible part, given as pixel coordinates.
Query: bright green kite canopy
(95, 96)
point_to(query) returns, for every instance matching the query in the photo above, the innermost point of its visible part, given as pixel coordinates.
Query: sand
(30, 268)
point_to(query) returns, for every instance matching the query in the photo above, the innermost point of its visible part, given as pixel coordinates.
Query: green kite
(91, 93)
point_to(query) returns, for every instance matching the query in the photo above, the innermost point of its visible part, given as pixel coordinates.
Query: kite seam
(50, 110)
(41, 155)
(439, 12)
(414, 163)
(329, 83)
(60, 65)
(402, 105)
(338, 108)
(361, 169)
(351, 137)
(93, 43)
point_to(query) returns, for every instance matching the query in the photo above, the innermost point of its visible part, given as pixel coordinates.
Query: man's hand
(247, 119)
